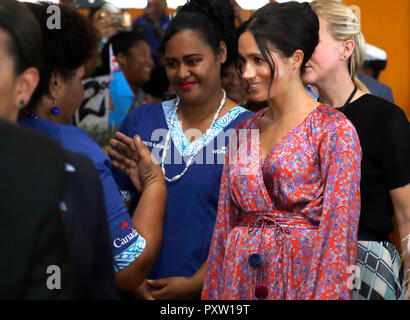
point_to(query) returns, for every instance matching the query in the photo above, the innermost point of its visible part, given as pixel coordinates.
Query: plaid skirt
(381, 272)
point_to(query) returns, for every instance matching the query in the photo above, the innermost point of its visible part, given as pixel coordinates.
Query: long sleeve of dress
(214, 281)
(340, 156)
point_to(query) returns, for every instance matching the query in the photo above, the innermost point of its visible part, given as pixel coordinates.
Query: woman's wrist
(154, 184)
(197, 282)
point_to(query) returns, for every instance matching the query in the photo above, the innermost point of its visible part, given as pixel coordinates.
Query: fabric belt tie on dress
(282, 227)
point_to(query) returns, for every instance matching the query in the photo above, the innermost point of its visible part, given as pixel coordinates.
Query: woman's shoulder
(147, 108)
(374, 106)
(59, 132)
(145, 113)
(372, 114)
(248, 119)
(327, 120)
(235, 116)
(78, 140)
(327, 116)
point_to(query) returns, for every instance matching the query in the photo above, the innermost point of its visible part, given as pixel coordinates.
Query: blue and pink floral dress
(287, 226)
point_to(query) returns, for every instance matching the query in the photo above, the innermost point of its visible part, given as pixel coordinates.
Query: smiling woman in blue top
(195, 127)
(51, 110)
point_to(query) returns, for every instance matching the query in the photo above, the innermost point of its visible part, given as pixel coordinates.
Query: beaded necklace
(31, 115)
(194, 153)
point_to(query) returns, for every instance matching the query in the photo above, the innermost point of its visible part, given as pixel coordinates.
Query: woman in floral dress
(289, 200)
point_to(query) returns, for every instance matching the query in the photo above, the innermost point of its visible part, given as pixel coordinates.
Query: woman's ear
(347, 49)
(121, 58)
(222, 52)
(296, 59)
(26, 84)
(56, 85)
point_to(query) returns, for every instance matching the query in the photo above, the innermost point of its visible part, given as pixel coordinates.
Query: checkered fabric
(381, 272)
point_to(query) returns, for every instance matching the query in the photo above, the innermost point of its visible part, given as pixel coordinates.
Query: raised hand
(144, 169)
(123, 152)
(134, 159)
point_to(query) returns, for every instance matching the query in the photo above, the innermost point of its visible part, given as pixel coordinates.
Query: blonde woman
(384, 134)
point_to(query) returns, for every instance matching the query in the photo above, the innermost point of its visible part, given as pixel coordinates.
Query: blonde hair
(343, 25)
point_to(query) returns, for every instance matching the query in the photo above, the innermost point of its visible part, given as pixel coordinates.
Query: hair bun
(215, 19)
(204, 7)
(220, 12)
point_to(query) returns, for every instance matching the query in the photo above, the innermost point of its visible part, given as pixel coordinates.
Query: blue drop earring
(55, 111)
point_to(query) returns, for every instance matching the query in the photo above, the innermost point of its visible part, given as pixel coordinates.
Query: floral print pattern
(299, 209)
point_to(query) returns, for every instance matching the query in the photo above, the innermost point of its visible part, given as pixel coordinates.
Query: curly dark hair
(123, 41)
(65, 49)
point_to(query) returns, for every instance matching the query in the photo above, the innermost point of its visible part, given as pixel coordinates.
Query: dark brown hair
(285, 26)
(25, 35)
(64, 50)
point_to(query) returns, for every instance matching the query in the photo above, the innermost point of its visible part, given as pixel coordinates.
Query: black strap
(349, 99)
